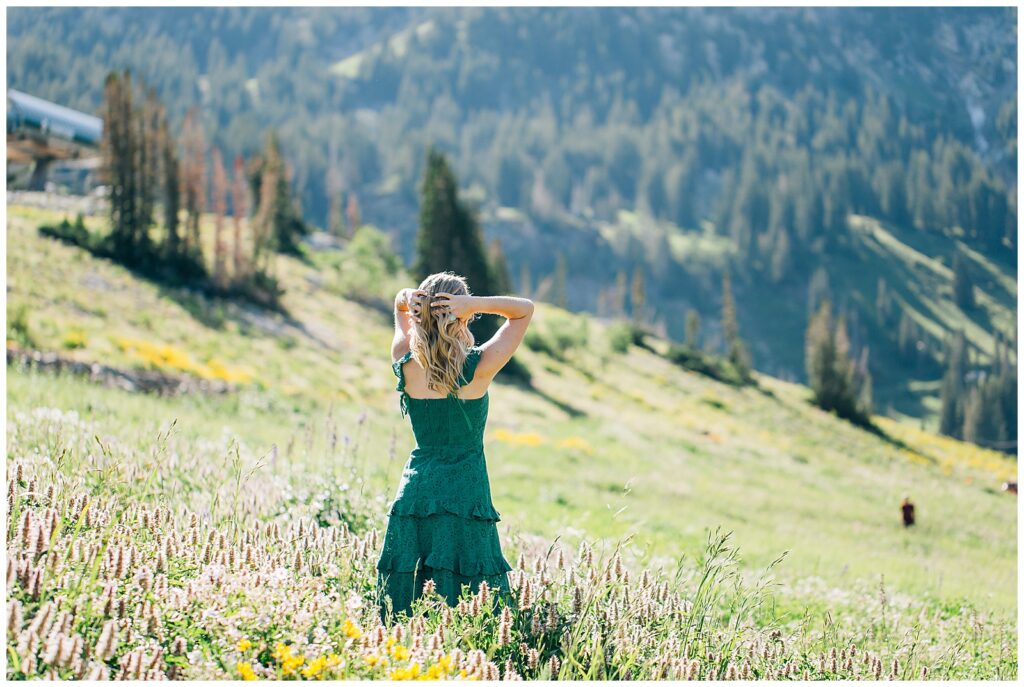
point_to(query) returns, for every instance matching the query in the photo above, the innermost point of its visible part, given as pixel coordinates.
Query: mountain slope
(604, 444)
(670, 143)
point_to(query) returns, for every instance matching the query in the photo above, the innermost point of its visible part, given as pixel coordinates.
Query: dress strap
(469, 367)
(403, 400)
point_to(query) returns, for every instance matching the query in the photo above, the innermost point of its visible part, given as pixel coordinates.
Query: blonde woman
(441, 524)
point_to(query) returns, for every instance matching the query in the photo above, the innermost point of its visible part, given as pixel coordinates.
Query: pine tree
(963, 286)
(736, 351)
(499, 268)
(285, 227)
(560, 297)
(353, 213)
(619, 300)
(193, 178)
(239, 209)
(171, 192)
(149, 159)
(264, 239)
(637, 296)
(118, 162)
(693, 329)
(525, 280)
(451, 228)
(952, 391)
(779, 262)
(883, 302)
(837, 385)
(450, 238)
(220, 205)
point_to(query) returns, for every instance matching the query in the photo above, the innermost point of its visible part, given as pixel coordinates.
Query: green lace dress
(441, 524)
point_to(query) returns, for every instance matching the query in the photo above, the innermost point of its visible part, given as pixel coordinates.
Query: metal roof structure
(27, 112)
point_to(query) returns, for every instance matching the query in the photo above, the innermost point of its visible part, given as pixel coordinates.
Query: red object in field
(1010, 487)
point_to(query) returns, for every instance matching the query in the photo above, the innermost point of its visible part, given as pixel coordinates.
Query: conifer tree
(450, 238)
(220, 204)
(963, 286)
(952, 390)
(619, 295)
(353, 214)
(693, 329)
(171, 187)
(561, 282)
(499, 268)
(638, 295)
(193, 179)
(736, 351)
(525, 280)
(837, 385)
(239, 210)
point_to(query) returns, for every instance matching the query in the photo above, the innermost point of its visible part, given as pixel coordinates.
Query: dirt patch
(143, 381)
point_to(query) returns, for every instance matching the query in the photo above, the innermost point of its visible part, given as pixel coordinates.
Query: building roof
(28, 111)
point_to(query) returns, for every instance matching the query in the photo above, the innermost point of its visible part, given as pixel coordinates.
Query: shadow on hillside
(528, 387)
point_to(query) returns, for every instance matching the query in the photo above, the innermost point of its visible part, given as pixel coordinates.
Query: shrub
(558, 335)
(704, 363)
(74, 338)
(75, 234)
(18, 329)
(622, 335)
(367, 266)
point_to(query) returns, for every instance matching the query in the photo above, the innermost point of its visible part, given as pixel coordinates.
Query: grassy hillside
(604, 444)
(763, 141)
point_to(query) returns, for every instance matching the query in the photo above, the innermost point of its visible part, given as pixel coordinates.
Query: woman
(441, 525)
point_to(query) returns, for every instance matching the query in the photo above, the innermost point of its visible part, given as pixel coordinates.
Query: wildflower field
(661, 525)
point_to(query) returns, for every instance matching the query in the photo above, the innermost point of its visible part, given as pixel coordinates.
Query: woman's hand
(462, 307)
(410, 301)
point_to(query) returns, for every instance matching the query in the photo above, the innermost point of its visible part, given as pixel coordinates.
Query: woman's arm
(500, 348)
(407, 308)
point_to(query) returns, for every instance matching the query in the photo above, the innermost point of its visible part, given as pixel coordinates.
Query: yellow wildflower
(244, 645)
(405, 673)
(524, 439)
(289, 662)
(575, 443)
(372, 659)
(400, 652)
(351, 629)
(245, 670)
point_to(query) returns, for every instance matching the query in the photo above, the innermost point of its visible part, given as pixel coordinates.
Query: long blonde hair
(439, 342)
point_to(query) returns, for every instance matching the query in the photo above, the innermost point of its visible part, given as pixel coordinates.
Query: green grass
(606, 445)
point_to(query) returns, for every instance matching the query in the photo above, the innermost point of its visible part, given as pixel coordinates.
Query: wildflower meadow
(169, 559)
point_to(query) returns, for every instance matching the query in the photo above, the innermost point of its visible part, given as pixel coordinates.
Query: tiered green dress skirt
(441, 524)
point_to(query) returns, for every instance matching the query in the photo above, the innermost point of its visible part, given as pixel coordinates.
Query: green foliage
(367, 267)
(449, 237)
(963, 285)
(736, 350)
(622, 335)
(838, 384)
(74, 234)
(18, 328)
(979, 404)
(706, 364)
(285, 223)
(558, 335)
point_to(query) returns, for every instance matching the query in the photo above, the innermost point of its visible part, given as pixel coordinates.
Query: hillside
(604, 445)
(810, 152)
